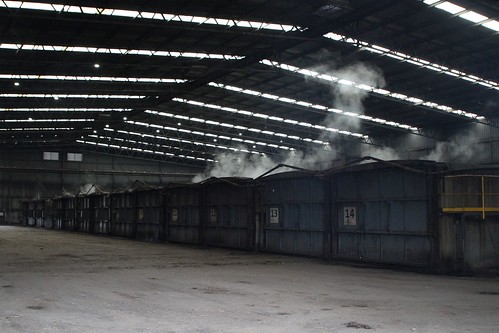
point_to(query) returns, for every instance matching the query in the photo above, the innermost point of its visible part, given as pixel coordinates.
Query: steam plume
(383, 153)
(349, 98)
(346, 97)
(241, 164)
(87, 189)
(462, 148)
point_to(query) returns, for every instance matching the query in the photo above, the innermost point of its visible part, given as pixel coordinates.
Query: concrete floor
(53, 281)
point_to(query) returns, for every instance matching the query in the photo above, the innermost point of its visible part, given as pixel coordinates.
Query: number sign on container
(349, 215)
(274, 215)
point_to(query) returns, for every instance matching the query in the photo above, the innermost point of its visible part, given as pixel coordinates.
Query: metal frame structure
(166, 52)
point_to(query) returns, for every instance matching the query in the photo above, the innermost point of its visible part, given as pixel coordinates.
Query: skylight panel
(87, 49)
(415, 60)
(277, 119)
(449, 7)
(150, 151)
(239, 127)
(34, 129)
(84, 96)
(325, 108)
(492, 24)
(377, 91)
(89, 78)
(473, 16)
(64, 109)
(165, 138)
(30, 120)
(59, 8)
(464, 13)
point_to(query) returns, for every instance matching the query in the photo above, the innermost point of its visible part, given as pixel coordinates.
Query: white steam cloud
(346, 97)
(383, 153)
(241, 164)
(349, 98)
(87, 188)
(462, 148)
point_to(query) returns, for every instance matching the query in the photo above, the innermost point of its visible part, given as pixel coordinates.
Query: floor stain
(35, 307)
(354, 324)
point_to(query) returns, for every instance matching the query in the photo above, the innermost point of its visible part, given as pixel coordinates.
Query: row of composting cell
(408, 213)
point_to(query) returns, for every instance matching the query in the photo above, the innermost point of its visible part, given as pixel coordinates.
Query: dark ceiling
(182, 132)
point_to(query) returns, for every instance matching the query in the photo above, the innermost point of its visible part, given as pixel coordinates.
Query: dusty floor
(52, 281)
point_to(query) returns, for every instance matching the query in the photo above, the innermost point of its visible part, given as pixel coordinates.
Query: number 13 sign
(350, 215)
(274, 215)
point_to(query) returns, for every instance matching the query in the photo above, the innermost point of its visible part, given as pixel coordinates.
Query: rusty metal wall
(383, 215)
(295, 214)
(183, 214)
(228, 215)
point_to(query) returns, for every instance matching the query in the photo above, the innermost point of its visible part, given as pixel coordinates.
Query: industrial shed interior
(223, 166)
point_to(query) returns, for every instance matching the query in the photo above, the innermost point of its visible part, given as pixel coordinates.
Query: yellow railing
(470, 193)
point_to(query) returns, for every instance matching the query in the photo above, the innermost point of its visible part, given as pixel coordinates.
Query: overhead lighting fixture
(133, 14)
(16, 84)
(96, 65)
(382, 51)
(374, 90)
(123, 52)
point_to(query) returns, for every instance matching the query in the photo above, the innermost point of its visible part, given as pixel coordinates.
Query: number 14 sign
(350, 215)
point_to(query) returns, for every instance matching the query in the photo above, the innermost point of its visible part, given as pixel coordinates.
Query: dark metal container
(294, 215)
(83, 211)
(28, 213)
(385, 212)
(123, 216)
(39, 213)
(183, 213)
(58, 213)
(99, 213)
(69, 207)
(228, 213)
(150, 224)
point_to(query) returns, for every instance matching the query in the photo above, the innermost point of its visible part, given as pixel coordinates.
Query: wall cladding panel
(47, 179)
